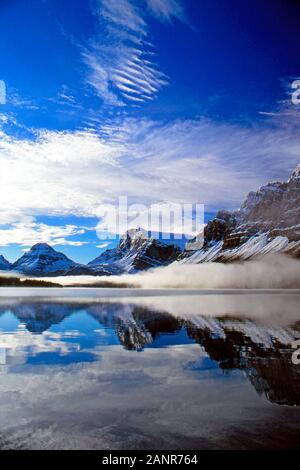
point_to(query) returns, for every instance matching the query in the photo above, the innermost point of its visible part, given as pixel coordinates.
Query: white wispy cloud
(23, 342)
(166, 10)
(103, 245)
(27, 234)
(15, 99)
(120, 59)
(123, 14)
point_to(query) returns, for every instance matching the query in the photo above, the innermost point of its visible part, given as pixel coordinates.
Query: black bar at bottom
(138, 459)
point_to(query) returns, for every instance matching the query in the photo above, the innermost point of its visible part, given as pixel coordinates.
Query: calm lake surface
(148, 369)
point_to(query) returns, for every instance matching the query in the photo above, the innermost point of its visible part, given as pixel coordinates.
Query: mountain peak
(137, 250)
(41, 247)
(296, 173)
(136, 233)
(42, 259)
(267, 222)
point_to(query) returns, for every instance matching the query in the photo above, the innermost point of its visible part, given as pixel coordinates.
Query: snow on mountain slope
(267, 222)
(43, 260)
(295, 174)
(136, 251)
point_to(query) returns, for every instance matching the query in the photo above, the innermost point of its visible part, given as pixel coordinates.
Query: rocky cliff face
(267, 222)
(136, 251)
(274, 208)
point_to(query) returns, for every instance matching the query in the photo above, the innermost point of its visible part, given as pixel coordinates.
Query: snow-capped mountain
(4, 264)
(267, 222)
(136, 251)
(43, 260)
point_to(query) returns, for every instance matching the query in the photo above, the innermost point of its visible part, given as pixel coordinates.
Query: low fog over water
(273, 272)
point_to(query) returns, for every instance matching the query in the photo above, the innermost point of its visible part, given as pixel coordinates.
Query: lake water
(155, 369)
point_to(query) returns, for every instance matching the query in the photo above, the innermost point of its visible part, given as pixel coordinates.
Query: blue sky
(158, 100)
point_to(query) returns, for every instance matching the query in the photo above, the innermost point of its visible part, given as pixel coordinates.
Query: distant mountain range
(267, 222)
(43, 260)
(135, 252)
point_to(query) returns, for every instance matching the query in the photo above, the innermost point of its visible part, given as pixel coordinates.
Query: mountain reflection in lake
(167, 371)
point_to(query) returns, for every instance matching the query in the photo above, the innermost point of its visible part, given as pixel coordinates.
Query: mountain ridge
(136, 251)
(44, 260)
(268, 221)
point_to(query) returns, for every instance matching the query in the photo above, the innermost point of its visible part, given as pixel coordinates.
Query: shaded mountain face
(136, 251)
(274, 208)
(267, 222)
(4, 264)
